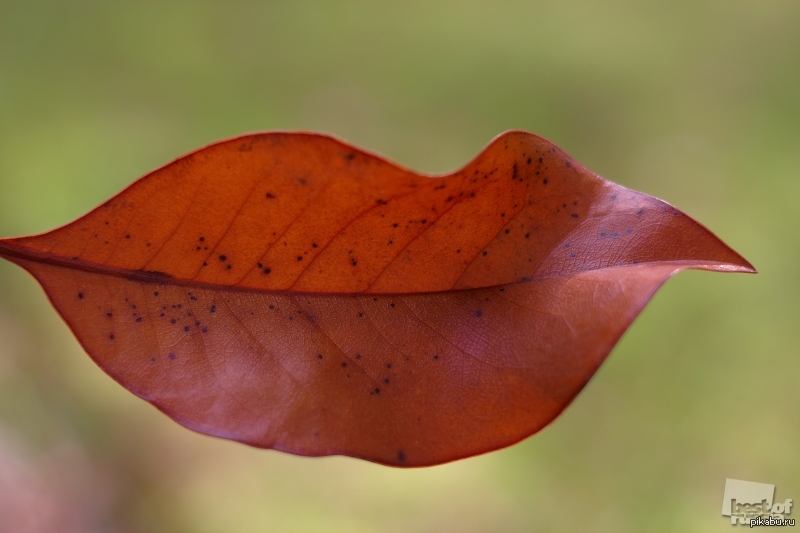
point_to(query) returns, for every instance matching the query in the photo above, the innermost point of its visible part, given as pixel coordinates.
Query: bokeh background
(696, 102)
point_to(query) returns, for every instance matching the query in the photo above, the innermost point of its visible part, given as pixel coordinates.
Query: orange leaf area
(293, 292)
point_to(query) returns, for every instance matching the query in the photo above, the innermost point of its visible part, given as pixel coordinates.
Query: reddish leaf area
(290, 291)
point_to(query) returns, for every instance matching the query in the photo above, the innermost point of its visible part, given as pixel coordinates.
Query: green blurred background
(695, 102)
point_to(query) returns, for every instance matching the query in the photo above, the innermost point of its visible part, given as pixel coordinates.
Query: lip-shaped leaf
(290, 291)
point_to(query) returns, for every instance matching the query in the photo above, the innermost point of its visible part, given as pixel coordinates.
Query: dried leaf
(290, 291)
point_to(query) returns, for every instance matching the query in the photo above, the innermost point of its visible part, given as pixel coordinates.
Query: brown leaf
(293, 292)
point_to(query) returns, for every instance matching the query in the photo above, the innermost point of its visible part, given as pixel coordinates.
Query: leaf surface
(290, 291)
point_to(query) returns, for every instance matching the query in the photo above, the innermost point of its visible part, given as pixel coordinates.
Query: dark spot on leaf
(479, 313)
(111, 336)
(139, 319)
(171, 356)
(270, 195)
(401, 456)
(155, 293)
(185, 328)
(172, 321)
(299, 257)
(222, 258)
(80, 296)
